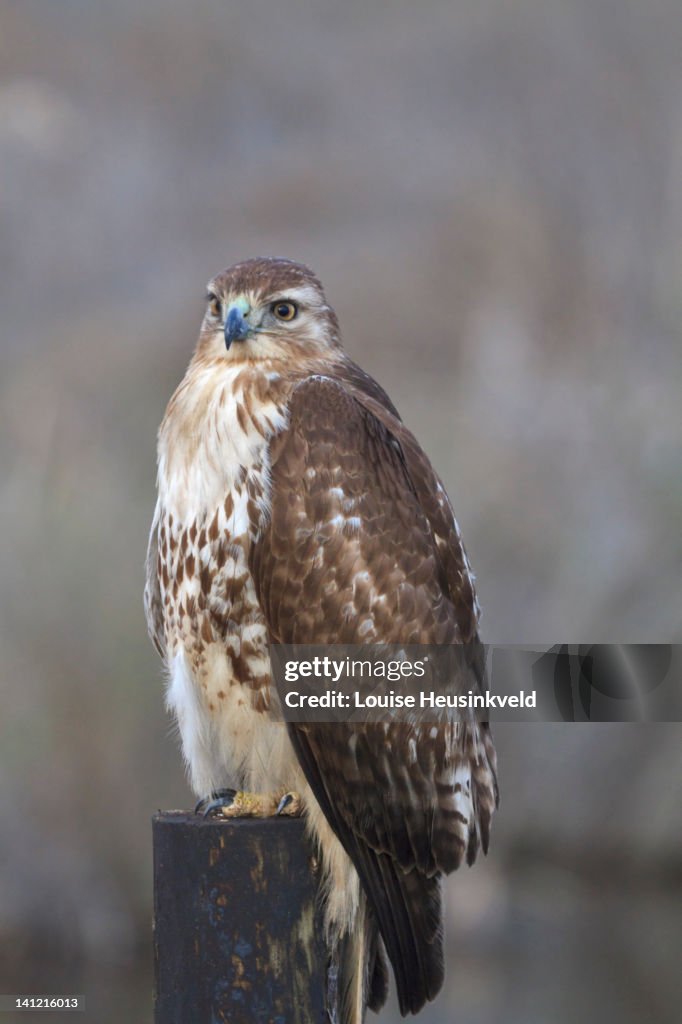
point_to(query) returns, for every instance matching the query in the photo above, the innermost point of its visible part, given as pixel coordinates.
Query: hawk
(295, 507)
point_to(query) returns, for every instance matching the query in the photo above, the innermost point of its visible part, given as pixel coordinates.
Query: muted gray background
(491, 193)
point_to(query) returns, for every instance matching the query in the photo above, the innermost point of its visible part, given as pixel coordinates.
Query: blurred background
(492, 195)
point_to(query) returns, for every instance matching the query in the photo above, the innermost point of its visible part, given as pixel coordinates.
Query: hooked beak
(236, 326)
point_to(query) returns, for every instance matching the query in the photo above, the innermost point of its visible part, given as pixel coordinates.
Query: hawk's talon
(289, 805)
(237, 803)
(219, 798)
(217, 806)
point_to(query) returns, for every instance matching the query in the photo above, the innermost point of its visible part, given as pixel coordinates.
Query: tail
(357, 976)
(409, 910)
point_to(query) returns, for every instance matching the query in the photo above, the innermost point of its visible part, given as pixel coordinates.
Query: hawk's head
(267, 308)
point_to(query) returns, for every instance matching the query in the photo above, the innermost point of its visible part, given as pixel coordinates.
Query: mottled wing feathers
(361, 547)
(349, 555)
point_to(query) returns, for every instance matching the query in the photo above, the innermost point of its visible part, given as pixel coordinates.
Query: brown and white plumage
(295, 507)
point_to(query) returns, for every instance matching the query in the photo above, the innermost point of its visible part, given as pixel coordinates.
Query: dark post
(237, 933)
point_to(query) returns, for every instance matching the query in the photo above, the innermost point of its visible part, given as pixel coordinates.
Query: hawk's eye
(285, 310)
(215, 306)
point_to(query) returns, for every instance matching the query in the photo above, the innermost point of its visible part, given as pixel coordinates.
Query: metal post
(237, 933)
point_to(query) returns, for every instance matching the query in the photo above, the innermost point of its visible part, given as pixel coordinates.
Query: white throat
(216, 437)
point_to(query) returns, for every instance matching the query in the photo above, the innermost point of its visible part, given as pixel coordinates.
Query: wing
(361, 547)
(153, 606)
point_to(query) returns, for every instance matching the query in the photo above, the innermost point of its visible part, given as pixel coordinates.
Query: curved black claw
(284, 803)
(219, 798)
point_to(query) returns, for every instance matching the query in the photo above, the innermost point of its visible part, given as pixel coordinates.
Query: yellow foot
(231, 803)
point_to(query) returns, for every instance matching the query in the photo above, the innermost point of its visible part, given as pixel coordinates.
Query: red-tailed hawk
(295, 507)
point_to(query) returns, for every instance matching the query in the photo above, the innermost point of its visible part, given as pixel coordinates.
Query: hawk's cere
(295, 507)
